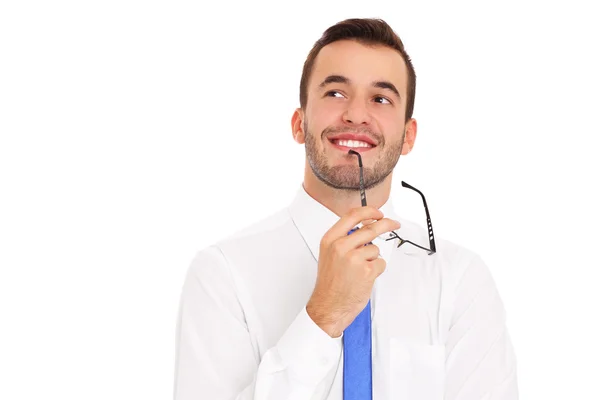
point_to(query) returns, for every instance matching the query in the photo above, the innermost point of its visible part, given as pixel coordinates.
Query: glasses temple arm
(429, 225)
(363, 196)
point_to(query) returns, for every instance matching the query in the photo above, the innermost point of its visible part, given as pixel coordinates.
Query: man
(266, 313)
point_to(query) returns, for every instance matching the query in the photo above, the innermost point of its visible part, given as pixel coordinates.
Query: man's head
(358, 83)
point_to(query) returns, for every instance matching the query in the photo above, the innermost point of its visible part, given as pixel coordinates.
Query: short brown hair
(366, 31)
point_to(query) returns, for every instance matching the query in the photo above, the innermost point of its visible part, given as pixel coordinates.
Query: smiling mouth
(355, 145)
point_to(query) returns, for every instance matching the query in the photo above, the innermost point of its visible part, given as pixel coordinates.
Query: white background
(134, 133)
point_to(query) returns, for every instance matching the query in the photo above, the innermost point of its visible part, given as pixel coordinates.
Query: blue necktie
(358, 383)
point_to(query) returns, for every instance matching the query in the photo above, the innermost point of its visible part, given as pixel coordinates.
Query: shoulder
(268, 224)
(251, 239)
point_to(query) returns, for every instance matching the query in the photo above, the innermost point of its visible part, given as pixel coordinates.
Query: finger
(368, 253)
(377, 266)
(350, 220)
(368, 233)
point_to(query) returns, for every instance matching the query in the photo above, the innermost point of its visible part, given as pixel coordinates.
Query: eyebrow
(342, 79)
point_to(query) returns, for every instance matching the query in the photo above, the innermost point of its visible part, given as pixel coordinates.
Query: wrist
(324, 320)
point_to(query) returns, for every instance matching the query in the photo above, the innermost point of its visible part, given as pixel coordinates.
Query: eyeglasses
(393, 235)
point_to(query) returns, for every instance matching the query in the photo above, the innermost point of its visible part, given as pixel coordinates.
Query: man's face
(355, 90)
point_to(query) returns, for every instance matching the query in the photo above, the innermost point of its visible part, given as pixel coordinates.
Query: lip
(353, 136)
(345, 148)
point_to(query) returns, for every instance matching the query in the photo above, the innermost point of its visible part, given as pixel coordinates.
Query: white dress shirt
(438, 321)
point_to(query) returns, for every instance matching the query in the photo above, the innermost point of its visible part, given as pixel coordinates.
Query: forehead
(362, 64)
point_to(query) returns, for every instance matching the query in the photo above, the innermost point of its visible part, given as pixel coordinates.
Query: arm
(480, 359)
(215, 355)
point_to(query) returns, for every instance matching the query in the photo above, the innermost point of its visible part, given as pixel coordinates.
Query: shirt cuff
(307, 351)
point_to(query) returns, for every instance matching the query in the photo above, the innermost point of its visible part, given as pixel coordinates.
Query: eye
(382, 100)
(333, 93)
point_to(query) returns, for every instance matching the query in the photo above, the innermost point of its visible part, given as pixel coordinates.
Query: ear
(410, 135)
(298, 125)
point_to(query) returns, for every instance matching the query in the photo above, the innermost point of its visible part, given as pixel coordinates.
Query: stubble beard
(347, 177)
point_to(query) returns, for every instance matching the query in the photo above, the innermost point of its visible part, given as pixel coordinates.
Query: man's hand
(347, 269)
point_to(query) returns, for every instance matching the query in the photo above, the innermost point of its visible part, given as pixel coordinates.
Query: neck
(342, 201)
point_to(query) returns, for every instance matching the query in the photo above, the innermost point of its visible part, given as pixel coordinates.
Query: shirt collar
(313, 220)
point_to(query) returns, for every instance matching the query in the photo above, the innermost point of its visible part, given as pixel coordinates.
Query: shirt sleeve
(480, 359)
(216, 357)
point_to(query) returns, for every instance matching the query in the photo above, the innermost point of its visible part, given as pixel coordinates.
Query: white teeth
(352, 143)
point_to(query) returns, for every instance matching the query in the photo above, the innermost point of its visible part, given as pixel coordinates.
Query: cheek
(321, 118)
(328, 107)
(392, 133)
(389, 120)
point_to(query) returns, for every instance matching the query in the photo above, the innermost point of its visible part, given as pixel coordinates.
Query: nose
(357, 112)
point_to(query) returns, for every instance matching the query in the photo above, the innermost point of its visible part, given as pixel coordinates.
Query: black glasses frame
(393, 235)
